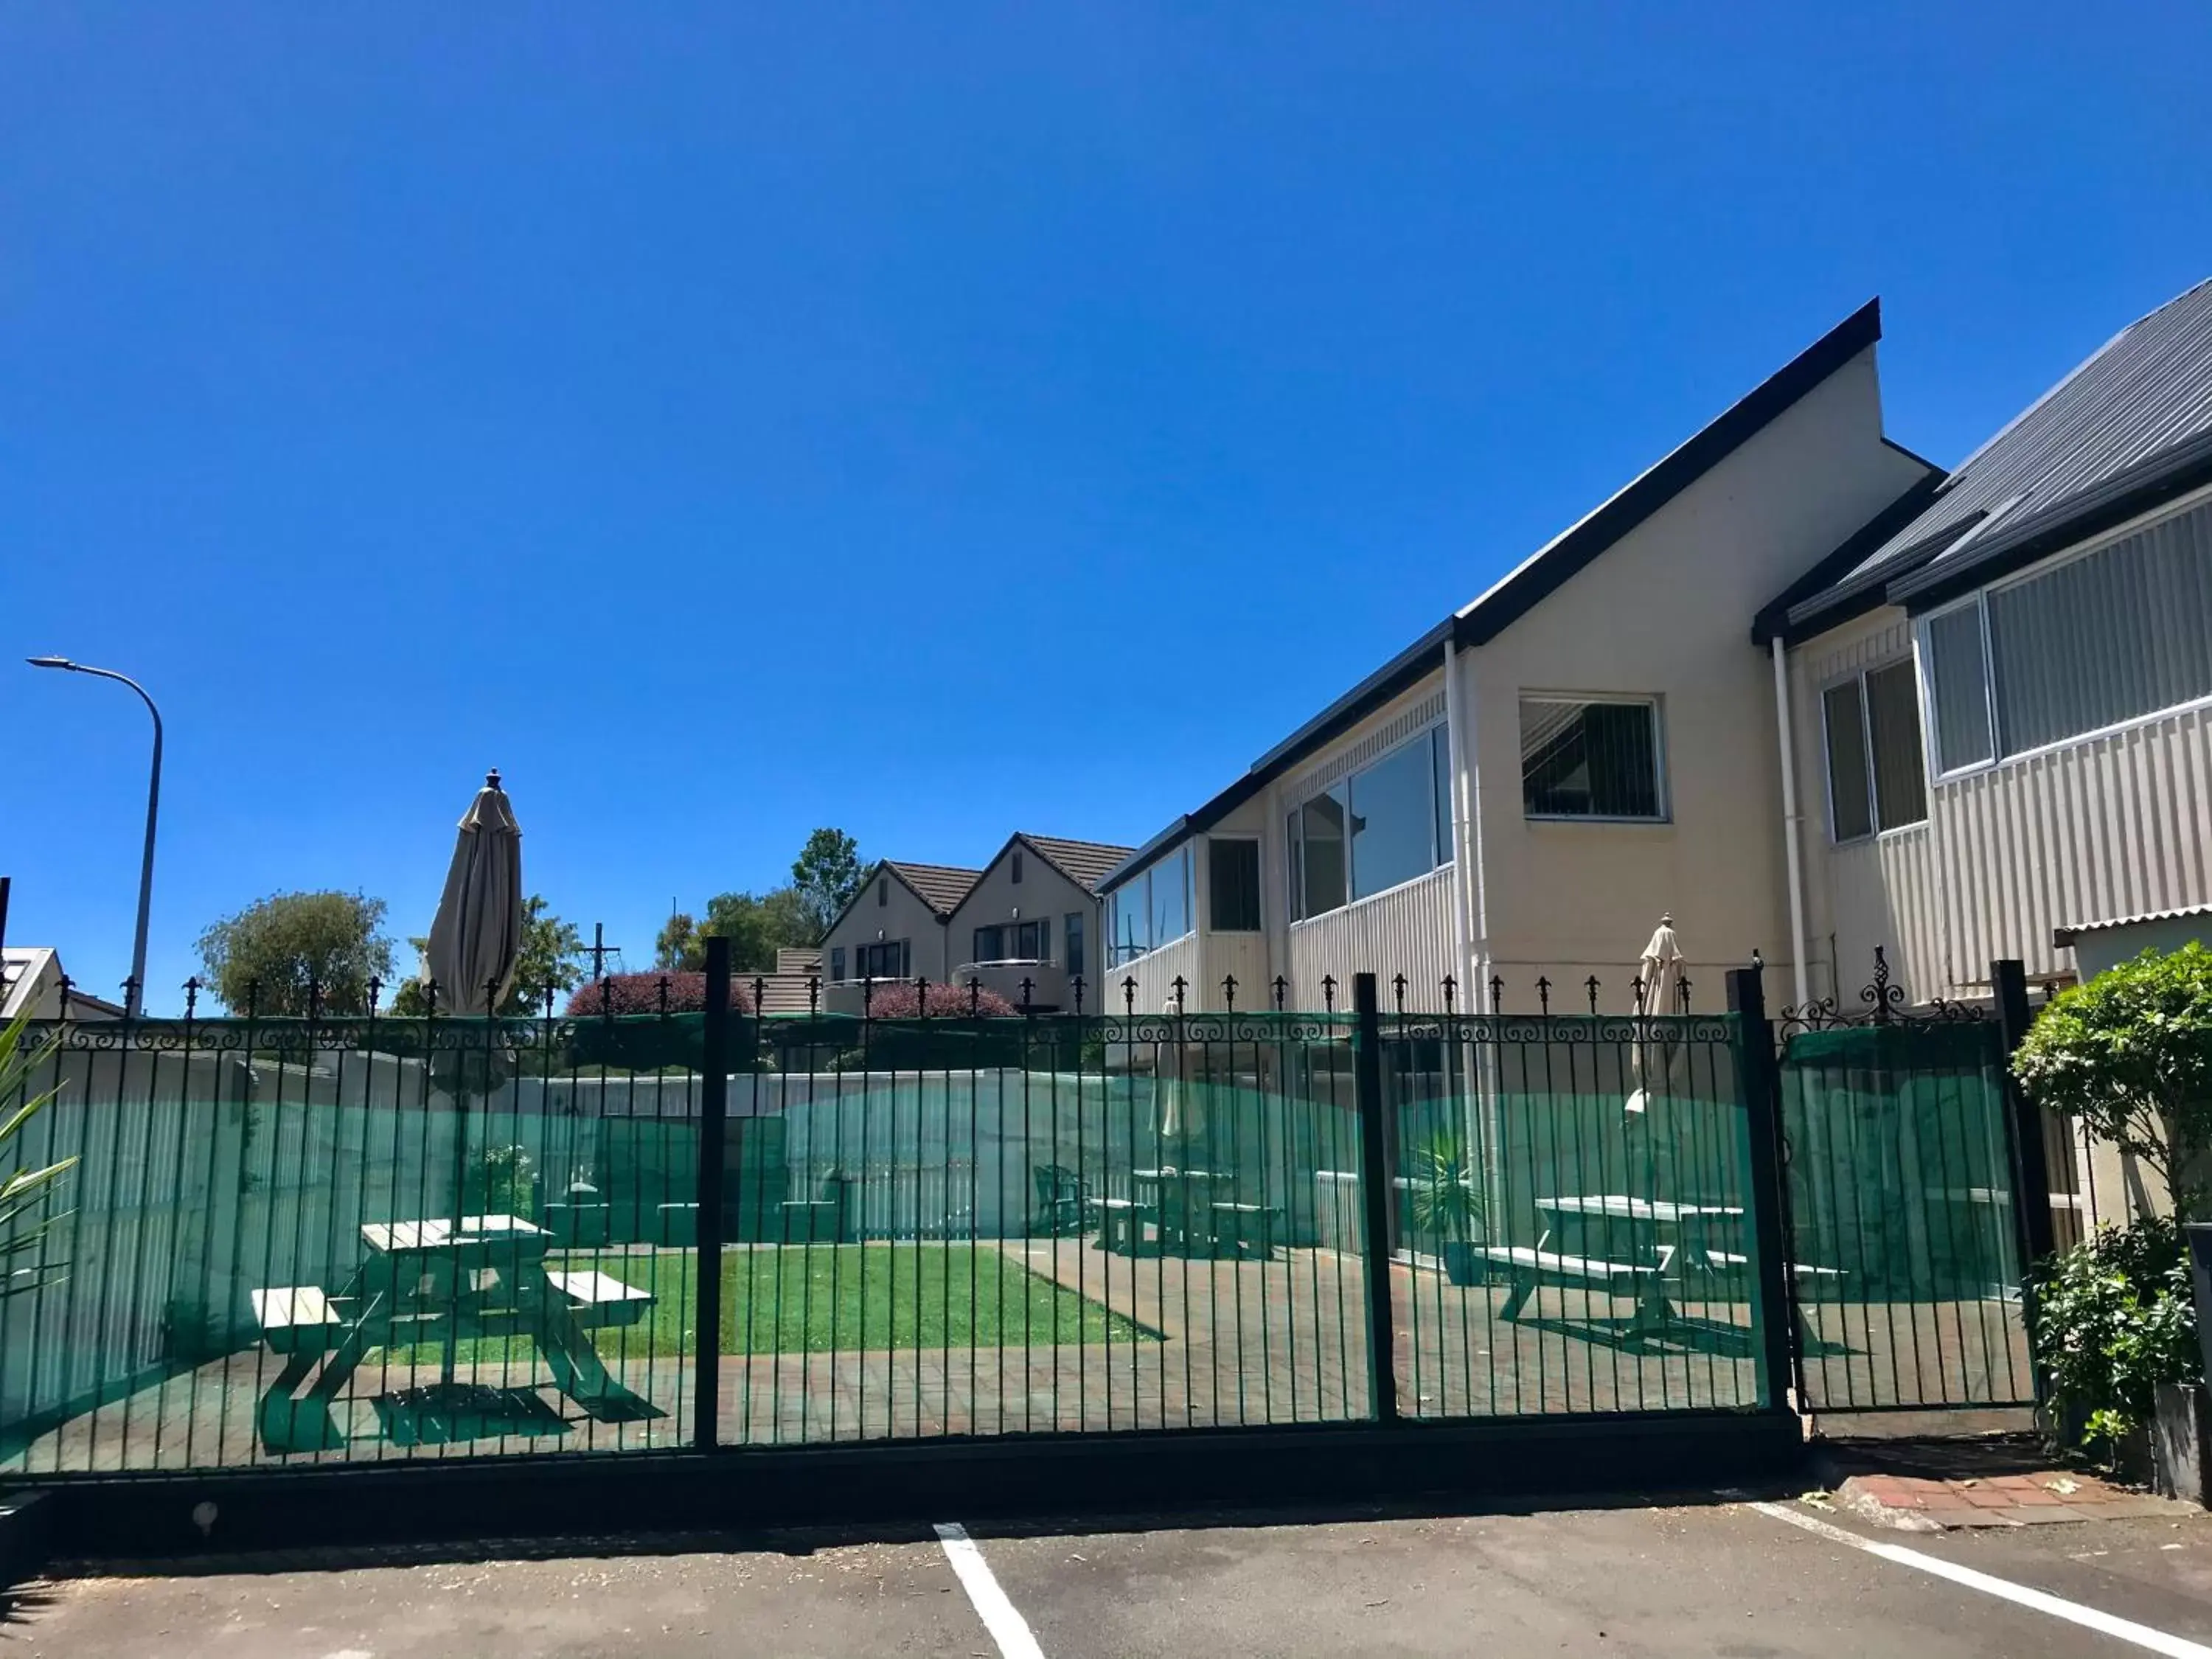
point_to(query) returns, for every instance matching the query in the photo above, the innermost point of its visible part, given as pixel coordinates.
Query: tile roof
(1085, 863)
(2109, 437)
(942, 886)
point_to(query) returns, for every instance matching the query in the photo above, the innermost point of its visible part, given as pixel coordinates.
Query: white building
(1990, 691)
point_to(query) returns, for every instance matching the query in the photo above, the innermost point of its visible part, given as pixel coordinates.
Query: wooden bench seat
(1247, 1228)
(600, 1300)
(294, 1318)
(1121, 1223)
(1532, 1266)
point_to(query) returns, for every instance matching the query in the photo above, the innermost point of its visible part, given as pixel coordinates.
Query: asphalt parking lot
(1704, 1576)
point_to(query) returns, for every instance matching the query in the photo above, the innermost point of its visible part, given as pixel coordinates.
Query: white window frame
(1858, 676)
(1260, 889)
(1924, 651)
(1294, 850)
(1979, 598)
(1665, 795)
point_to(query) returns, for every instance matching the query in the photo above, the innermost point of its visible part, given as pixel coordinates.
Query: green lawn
(848, 1297)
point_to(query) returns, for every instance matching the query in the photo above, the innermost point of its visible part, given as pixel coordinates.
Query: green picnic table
(440, 1281)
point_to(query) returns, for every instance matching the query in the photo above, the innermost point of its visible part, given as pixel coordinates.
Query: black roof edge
(1394, 679)
(1735, 426)
(1143, 855)
(2149, 484)
(1889, 442)
(1536, 581)
(1774, 617)
(1423, 656)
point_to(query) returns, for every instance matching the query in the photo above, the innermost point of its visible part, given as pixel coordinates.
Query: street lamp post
(136, 991)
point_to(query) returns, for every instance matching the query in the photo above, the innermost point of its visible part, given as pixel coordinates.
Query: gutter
(1792, 823)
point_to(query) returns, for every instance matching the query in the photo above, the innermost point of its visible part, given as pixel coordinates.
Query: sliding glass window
(2115, 635)
(1150, 909)
(1387, 823)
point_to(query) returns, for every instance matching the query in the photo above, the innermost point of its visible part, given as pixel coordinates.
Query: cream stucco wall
(1041, 893)
(902, 916)
(1666, 612)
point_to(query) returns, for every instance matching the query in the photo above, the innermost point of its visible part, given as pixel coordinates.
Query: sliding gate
(1904, 1189)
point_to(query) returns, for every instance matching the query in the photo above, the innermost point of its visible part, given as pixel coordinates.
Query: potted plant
(1446, 1205)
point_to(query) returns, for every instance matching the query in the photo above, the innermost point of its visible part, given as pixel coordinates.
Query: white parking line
(2124, 1630)
(999, 1616)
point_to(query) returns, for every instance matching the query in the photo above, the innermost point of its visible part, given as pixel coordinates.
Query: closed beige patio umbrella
(475, 938)
(474, 949)
(1661, 971)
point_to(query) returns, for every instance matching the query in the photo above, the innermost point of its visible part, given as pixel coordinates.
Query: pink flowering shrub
(900, 999)
(640, 994)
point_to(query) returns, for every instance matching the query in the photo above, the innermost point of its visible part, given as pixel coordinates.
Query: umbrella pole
(460, 1202)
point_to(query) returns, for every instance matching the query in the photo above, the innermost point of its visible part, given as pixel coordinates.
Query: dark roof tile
(1085, 863)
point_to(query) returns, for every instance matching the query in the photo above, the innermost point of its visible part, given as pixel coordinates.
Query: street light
(136, 991)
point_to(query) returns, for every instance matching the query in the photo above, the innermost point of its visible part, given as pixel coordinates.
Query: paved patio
(1233, 1343)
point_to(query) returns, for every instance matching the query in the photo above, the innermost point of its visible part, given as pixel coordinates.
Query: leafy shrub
(900, 998)
(640, 994)
(2129, 1054)
(504, 1182)
(2114, 1319)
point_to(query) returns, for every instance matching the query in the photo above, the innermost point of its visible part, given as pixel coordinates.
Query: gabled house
(1524, 789)
(31, 977)
(895, 927)
(1033, 914)
(1999, 696)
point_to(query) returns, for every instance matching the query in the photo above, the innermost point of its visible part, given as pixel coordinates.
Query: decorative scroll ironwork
(1881, 1002)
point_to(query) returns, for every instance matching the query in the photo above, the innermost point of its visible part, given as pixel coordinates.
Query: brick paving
(1228, 1343)
(2036, 1498)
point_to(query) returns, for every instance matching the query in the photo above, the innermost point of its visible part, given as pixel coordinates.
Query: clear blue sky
(934, 421)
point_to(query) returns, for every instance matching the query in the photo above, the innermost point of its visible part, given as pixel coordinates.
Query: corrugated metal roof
(2146, 393)
(2180, 913)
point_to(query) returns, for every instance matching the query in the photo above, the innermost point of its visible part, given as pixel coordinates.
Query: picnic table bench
(440, 1281)
(1529, 1266)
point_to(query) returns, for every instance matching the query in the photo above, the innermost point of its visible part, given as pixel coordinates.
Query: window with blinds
(2113, 635)
(1590, 759)
(1876, 780)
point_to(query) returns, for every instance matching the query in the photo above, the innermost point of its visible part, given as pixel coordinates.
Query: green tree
(276, 949)
(756, 924)
(825, 875)
(676, 948)
(552, 954)
(2129, 1054)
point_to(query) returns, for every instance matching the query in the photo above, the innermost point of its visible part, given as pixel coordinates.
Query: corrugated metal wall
(1245, 956)
(1155, 976)
(1405, 931)
(2111, 827)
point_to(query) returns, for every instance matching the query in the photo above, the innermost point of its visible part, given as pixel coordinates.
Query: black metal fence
(1918, 1186)
(353, 1240)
